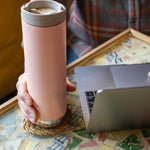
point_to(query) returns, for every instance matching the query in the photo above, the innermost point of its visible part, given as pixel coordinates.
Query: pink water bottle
(44, 38)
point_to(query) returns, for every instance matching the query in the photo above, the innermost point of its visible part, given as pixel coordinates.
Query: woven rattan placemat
(36, 129)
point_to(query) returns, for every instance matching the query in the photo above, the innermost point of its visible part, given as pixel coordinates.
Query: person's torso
(95, 21)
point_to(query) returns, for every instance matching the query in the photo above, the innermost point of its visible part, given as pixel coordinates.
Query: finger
(69, 85)
(23, 93)
(22, 83)
(22, 80)
(29, 112)
(27, 118)
(22, 76)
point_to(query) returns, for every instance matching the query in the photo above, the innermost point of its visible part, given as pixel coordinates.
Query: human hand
(26, 102)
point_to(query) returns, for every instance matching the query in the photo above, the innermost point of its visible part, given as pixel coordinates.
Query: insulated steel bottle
(44, 39)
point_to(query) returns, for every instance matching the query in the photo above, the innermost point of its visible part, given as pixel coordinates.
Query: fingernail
(32, 120)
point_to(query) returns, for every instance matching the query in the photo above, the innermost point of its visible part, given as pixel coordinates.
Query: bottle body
(45, 67)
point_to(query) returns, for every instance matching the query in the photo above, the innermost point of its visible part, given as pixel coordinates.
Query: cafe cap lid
(43, 19)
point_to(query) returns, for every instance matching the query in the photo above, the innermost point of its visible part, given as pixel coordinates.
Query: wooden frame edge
(92, 53)
(141, 36)
(9, 104)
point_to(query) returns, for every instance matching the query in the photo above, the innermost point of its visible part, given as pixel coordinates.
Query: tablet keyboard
(90, 96)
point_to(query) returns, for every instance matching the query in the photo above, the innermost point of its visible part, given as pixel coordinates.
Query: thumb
(69, 85)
